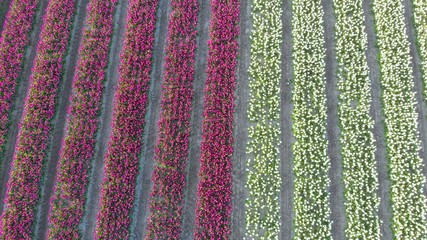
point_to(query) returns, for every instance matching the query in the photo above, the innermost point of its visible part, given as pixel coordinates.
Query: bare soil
(332, 126)
(418, 83)
(379, 128)
(193, 164)
(239, 159)
(286, 156)
(58, 124)
(18, 105)
(103, 135)
(144, 184)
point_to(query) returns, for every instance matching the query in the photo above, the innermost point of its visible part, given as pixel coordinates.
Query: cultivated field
(213, 119)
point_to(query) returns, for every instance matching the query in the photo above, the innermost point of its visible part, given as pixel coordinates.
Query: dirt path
(239, 159)
(4, 7)
(97, 170)
(377, 115)
(18, 106)
(419, 83)
(143, 182)
(190, 190)
(333, 130)
(286, 157)
(58, 124)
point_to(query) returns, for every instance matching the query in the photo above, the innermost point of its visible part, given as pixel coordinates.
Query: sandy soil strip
(377, 114)
(419, 83)
(18, 106)
(241, 122)
(97, 168)
(4, 7)
(333, 130)
(143, 183)
(193, 164)
(286, 155)
(59, 122)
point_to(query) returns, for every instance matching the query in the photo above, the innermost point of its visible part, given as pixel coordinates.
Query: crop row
(311, 162)
(13, 41)
(33, 138)
(213, 210)
(125, 143)
(409, 205)
(420, 20)
(262, 205)
(82, 122)
(357, 140)
(171, 151)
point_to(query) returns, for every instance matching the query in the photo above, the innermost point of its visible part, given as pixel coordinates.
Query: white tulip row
(409, 205)
(262, 205)
(420, 17)
(357, 141)
(311, 162)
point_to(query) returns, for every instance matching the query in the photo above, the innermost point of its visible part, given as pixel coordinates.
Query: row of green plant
(408, 203)
(262, 205)
(360, 174)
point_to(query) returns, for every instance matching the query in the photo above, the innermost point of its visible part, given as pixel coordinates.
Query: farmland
(213, 119)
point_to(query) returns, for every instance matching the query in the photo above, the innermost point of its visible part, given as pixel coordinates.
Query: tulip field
(213, 119)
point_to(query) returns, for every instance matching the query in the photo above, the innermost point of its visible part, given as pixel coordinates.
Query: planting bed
(357, 140)
(77, 150)
(172, 145)
(408, 202)
(262, 205)
(213, 210)
(213, 119)
(14, 38)
(32, 144)
(311, 162)
(128, 122)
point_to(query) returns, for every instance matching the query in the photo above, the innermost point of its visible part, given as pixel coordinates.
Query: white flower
(311, 163)
(264, 112)
(409, 205)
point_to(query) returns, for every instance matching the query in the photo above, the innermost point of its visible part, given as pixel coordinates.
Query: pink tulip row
(123, 153)
(13, 41)
(23, 186)
(171, 151)
(67, 203)
(213, 209)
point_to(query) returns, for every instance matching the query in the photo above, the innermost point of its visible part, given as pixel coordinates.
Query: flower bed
(311, 162)
(13, 41)
(213, 210)
(33, 138)
(420, 20)
(123, 153)
(262, 205)
(171, 151)
(82, 122)
(357, 140)
(408, 203)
